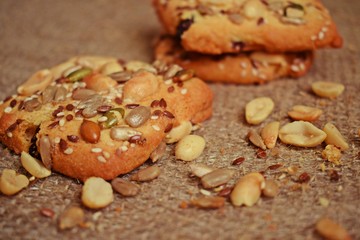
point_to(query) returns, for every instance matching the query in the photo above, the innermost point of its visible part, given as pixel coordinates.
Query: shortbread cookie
(244, 68)
(95, 116)
(231, 26)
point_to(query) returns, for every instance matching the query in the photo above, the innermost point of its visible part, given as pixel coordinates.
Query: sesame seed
(313, 38)
(183, 91)
(221, 66)
(69, 151)
(9, 134)
(8, 109)
(82, 84)
(324, 29)
(32, 178)
(106, 154)
(124, 148)
(69, 95)
(321, 35)
(60, 114)
(62, 122)
(101, 159)
(126, 143)
(168, 82)
(132, 145)
(154, 117)
(102, 119)
(302, 66)
(205, 192)
(96, 150)
(295, 68)
(156, 127)
(243, 73)
(57, 140)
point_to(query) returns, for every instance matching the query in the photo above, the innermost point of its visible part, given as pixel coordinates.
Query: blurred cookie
(244, 68)
(232, 26)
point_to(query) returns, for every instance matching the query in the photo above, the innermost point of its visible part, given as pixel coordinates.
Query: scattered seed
(238, 161)
(47, 212)
(125, 188)
(305, 113)
(261, 153)
(331, 230)
(158, 152)
(304, 178)
(146, 174)
(270, 133)
(208, 202)
(179, 132)
(255, 138)
(334, 175)
(200, 169)
(334, 137)
(332, 154)
(225, 192)
(275, 166)
(71, 217)
(216, 178)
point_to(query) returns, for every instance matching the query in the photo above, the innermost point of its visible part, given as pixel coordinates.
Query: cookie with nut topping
(97, 116)
(243, 68)
(232, 26)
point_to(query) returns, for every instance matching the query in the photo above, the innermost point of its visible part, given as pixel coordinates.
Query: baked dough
(97, 116)
(242, 68)
(232, 26)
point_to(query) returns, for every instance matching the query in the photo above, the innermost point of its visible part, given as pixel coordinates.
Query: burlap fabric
(37, 34)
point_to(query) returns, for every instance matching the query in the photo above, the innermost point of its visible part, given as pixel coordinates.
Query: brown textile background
(37, 34)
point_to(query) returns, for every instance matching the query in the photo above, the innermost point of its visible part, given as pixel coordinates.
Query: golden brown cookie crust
(243, 68)
(229, 26)
(169, 98)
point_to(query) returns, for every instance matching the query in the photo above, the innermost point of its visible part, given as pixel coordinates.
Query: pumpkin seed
(79, 74)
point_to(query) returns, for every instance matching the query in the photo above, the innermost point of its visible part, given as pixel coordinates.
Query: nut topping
(34, 166)
(90, 131)
(327, 89)
(138, 116)
(45, 151)
(122, 133)
(37, 82)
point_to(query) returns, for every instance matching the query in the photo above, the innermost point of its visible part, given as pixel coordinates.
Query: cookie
(231, 26)
(243, 68)
(96, 116)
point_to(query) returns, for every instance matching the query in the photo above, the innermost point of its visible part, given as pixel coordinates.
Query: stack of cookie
(244, 41)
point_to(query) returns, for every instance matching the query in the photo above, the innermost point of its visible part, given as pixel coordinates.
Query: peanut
(327, 89)
(37, 82)
(190, 147)
(302, 134)
(247, 190)
(34, 166)
(258, 109)
(111, 67)
(179, 132)
(97, 193)
(305, 113)
(270, 134)
(331, 230)
(271, 188)
(11, 183)
(334, 137)
(99, 82)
